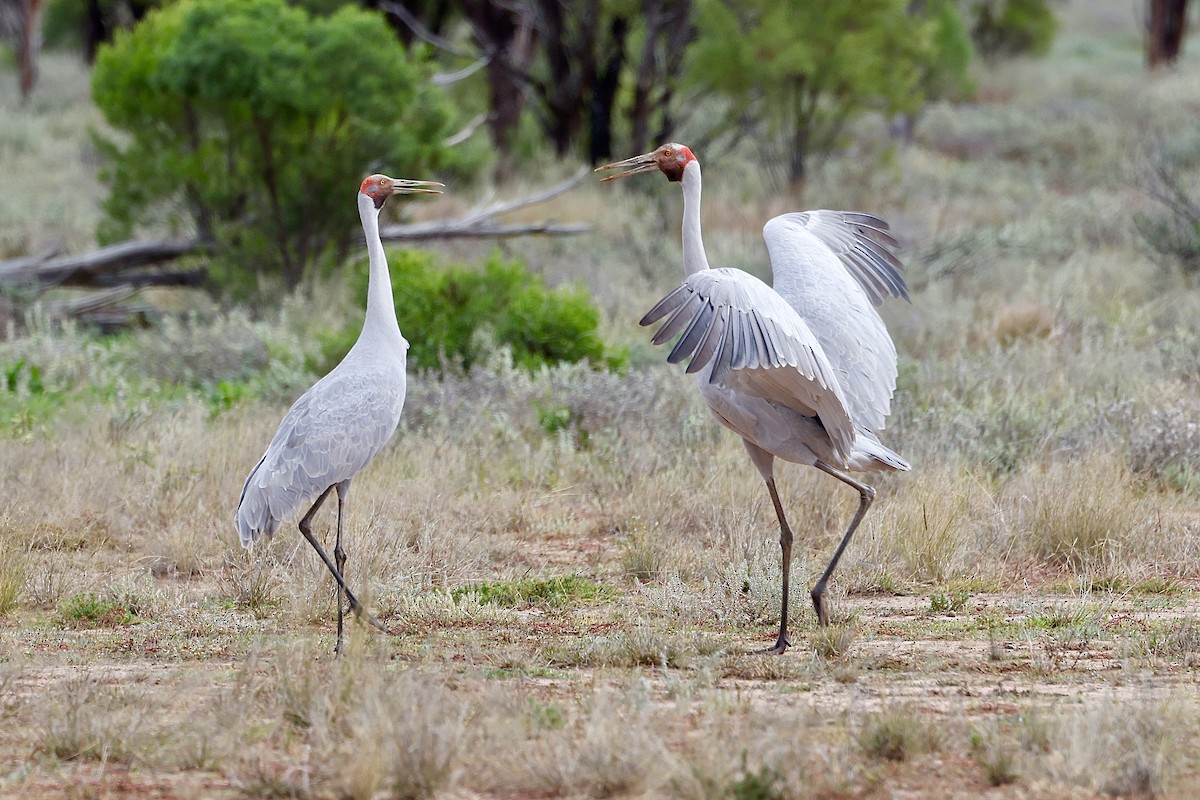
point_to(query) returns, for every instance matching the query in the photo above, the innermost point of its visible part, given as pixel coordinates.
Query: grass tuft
(550, 592)
(898, 734)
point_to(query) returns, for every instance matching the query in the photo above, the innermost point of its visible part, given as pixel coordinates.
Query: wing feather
(755, 342)
(834, 268)
(695, 331)
(681, 316)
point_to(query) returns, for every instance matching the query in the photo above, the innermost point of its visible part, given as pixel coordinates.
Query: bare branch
(447, 78)
(401, 13)
(476, 229)
(467, 131)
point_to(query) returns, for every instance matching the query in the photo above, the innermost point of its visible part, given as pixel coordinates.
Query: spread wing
(754, 342)
(834, 268)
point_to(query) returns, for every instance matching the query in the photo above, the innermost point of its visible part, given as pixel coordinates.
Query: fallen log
(86, 270)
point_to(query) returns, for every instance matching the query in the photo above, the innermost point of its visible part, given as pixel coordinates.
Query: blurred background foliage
(238, 122)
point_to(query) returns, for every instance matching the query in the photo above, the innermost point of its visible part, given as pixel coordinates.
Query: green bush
(1006, 28)
(251, 121)
(449, 314)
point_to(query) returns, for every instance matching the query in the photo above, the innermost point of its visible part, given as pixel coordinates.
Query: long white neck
(694, 259)
(381, 310)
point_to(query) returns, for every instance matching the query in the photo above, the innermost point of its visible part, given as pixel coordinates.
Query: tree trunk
(604, 97)
(1166, 24)
(504, 36)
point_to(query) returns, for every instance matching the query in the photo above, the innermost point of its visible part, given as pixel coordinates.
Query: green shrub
(92, 610)
(449, 314)
(1005, 28)
(251, 121)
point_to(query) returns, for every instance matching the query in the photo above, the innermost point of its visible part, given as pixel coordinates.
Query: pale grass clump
(1165, 444)
(84, 719)
(365, 729)
(613, 749)
(14, 569)
(1086, 514)
(940, 525)
(898, 734)
(642, 646)
(772, 748)
(1126, 748)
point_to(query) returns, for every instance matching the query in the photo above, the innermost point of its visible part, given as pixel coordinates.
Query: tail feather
(254, 518)
(873, 456)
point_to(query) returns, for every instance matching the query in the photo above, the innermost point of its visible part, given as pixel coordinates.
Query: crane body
(803, 370)
(335, 428)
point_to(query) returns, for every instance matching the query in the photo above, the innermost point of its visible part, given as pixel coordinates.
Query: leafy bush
(449, 314)
(250, 121)
(1006, 28)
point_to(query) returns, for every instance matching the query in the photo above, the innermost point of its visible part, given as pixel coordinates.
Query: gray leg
(339, 557)
(765, 462)
(866, 494)
(306, 530)
(785, 545)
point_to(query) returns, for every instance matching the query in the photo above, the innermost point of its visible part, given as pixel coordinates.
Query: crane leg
(306, 531)
(339, 558)
(785, 545)
(866, 494)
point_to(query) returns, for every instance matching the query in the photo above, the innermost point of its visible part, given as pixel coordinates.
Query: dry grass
(574, 616)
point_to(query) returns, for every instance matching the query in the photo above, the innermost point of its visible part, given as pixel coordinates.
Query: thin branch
(447, 78)
(401, 13)
(476, 229)
(467, 131)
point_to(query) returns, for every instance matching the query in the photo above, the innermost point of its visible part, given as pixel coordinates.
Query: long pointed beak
(632, 166)
(400, 186)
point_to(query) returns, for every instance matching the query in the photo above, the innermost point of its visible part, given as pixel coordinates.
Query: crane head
(670, 159)
(380, 187)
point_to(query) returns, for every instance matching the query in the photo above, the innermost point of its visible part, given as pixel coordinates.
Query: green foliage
(448, 315)
(948, 602)
(535, 591)
(1006, 28)
(803, 70)
(947, 73)
(249, 121)
(91, 610)
(224, 395)
(32, 384)
(25, 400)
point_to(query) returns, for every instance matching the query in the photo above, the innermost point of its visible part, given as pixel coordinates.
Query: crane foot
(779, 648)
(818, 598)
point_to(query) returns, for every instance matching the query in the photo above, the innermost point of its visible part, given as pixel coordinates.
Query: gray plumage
(803, 370)
(330, 433)
(342, 422)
